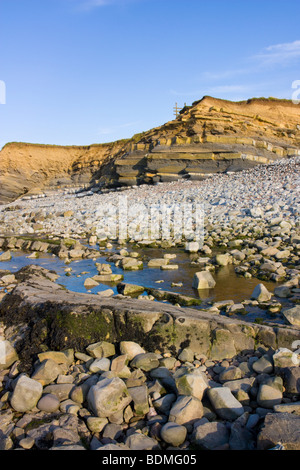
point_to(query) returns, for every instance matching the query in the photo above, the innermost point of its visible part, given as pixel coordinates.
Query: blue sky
(91, 71)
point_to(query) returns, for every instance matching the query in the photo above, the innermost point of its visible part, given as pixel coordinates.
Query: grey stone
(145, 362)
(26, 394)
(139, 441)
(46, 372)
(281, 428)
(173, 434)
(186, 410)
(209, 436)
(108, 397)
(48, 403)
(225, 404)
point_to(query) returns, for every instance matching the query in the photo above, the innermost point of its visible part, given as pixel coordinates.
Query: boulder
(46, 372)
(26, 394)
(173, 434)
(192, 247)
(225, 404)
(292, 315)
(131, 349)
(280, 428)
(108, 397)
(192, 384)
(128, 289)
(101, 349)
(261, 293)
(209, 436)
(8, 354)
(139, 441)
(186, 410)
(145, 362)
(203, 280)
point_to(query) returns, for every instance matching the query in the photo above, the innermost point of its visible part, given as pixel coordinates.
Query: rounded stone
(48, 403)
(173, 434)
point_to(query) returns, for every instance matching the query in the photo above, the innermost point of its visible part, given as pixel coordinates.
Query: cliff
(211, 136)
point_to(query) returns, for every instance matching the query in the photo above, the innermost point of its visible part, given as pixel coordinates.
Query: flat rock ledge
(39, 315)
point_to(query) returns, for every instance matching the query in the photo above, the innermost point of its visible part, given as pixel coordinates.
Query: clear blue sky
(89, 71)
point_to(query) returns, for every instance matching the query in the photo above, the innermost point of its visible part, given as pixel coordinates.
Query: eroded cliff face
(211, 136)
(32, 168)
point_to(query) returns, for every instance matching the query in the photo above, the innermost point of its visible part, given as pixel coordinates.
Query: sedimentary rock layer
(211, 136)
(51, 316)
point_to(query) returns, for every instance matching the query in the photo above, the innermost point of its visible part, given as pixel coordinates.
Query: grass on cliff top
(84, 147)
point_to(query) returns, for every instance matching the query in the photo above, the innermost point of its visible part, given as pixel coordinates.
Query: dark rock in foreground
(46, 315)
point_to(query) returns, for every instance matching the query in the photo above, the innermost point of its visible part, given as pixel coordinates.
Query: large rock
(26, 394)
(225, 404)
(261, 293)
(209, 436)
(263, 365)
(108, 397)
(291, 380)
(141, 442)
(131, 349)
(173, 434)
(280, 428)
(8, 354)
(129, 289)
(270, 393)
(145, 362)
(186, 410)
(223, 259)
(46, 372)
(101, 349)
(292, 315)
(192, 384)
(139, 396)
(6, 256)
(192, 247)
(203, 280)
(223, 345)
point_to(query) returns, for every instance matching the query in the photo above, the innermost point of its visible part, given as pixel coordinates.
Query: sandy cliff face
(30, 168)
(211, 136)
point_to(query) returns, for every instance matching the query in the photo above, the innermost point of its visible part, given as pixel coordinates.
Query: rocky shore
(150, 369)
(121, 397)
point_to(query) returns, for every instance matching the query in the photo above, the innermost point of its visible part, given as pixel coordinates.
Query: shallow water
(228, 284)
